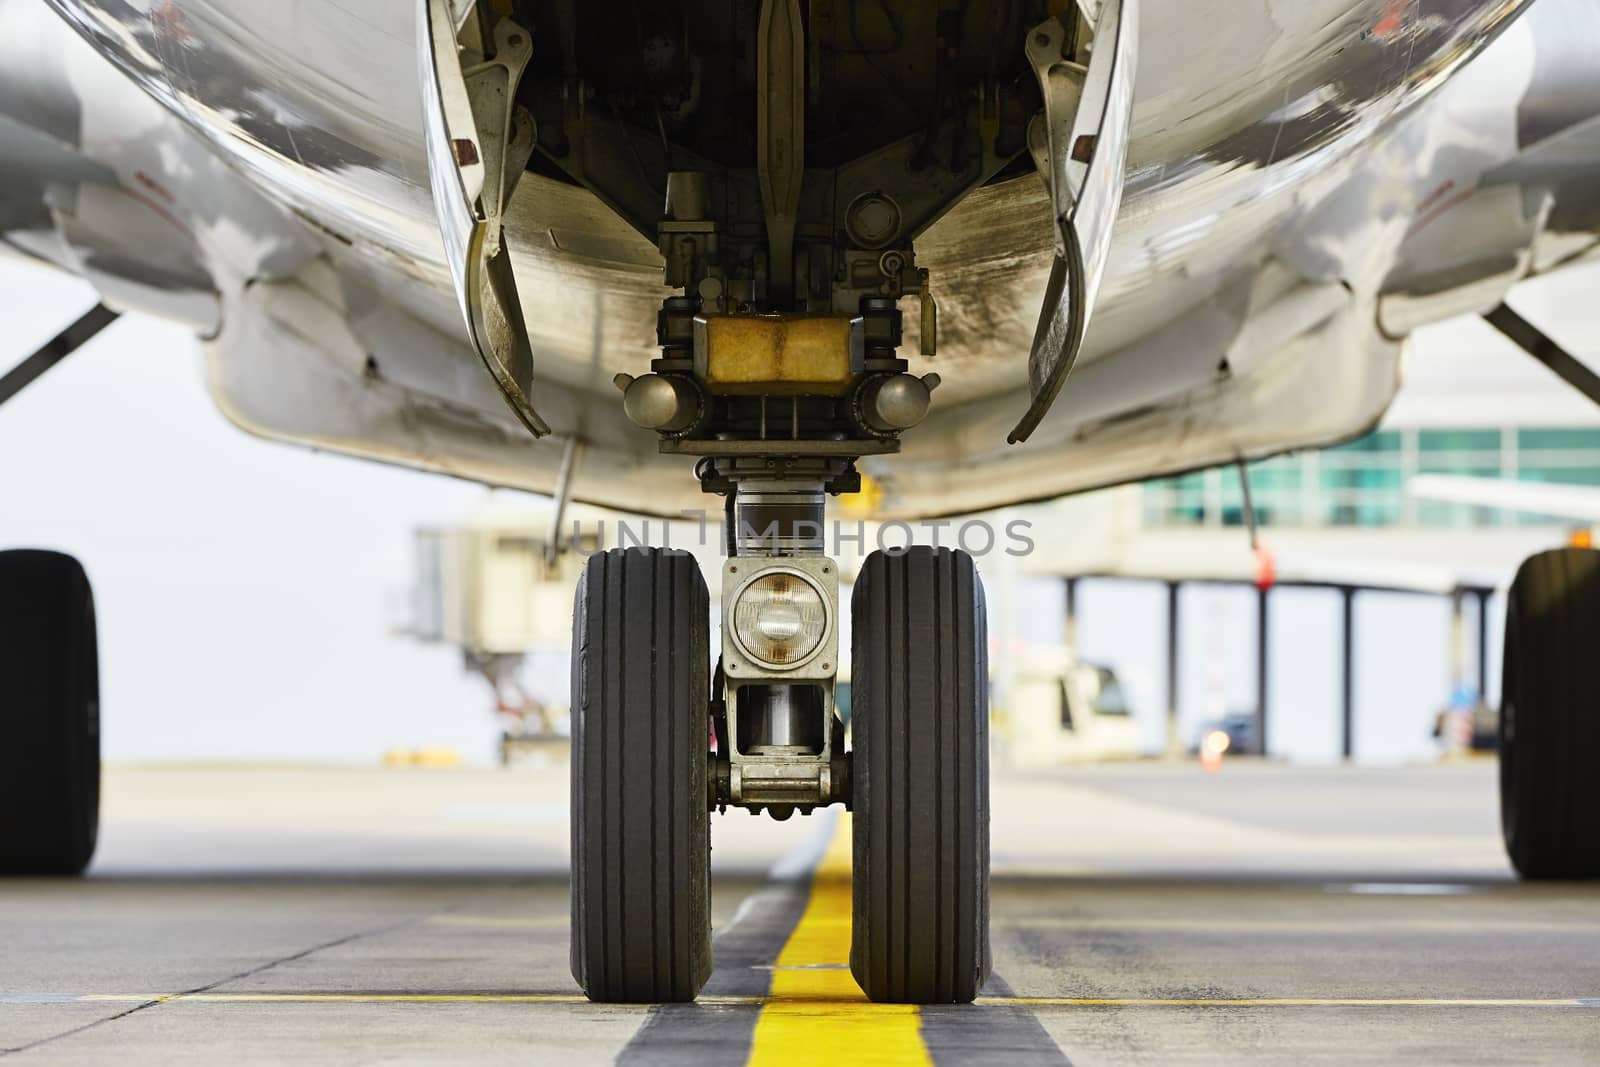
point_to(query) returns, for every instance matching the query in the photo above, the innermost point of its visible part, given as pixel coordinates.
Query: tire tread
(50, 714)
(920, 724)
(640, 826)
(1550, 776)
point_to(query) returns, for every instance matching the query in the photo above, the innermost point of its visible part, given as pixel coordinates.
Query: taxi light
(780, 619)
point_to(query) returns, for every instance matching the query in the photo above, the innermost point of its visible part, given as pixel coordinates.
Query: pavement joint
(147, 1001)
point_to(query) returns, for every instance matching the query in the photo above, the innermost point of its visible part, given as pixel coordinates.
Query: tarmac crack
(166, 998)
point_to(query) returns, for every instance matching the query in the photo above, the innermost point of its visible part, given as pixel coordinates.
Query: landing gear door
(1080, 143)
(479, 140)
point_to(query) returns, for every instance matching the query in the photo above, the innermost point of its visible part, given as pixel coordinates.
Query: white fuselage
(1307, 182)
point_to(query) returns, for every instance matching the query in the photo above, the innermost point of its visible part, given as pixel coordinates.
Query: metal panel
(478, 143)
(1088, 114)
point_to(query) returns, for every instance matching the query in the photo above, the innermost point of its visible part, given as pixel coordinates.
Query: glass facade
(1363, 482)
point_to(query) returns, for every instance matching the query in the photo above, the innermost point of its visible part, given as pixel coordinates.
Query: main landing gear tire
(920, 778)
(641, 847)
(49, 715)
(1550, 716)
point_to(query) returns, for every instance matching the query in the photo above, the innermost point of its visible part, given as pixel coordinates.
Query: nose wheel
(920, 778)
(641, 843)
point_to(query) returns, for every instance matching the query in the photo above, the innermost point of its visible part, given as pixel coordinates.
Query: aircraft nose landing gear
(780, 369)
(779, 406)
(643, 781)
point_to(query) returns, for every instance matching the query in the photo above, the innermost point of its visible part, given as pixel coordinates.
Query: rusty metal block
(775, 355)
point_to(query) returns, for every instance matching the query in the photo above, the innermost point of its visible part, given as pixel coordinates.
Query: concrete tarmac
(1142, 914)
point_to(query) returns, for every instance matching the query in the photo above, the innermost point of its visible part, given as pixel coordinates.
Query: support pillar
(1174, 740)
(1072, 616)
(1263, 662)
(1458, 641)
(1347, 675)
(1483, 644)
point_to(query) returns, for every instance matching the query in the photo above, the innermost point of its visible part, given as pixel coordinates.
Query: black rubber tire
(641, 824)
(49, 715)
(919, 720)
(1550, 716)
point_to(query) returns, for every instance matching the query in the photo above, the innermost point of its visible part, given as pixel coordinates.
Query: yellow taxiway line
(815, 1012)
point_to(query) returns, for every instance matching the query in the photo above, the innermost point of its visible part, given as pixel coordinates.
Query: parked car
(1240, 729)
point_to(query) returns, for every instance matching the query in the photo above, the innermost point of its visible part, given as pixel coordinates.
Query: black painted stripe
(994, 1035)
(709, 1035)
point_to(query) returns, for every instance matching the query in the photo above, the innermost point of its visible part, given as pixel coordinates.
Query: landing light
(779, 619)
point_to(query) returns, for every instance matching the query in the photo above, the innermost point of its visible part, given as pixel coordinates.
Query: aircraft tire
(920, 778)
(1550, 716)
(641, 848)
(49, 715)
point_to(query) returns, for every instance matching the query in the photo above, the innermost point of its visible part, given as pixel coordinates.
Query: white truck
(1059, 710)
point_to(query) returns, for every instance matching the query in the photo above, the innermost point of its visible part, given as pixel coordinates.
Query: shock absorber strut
(780, 652)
